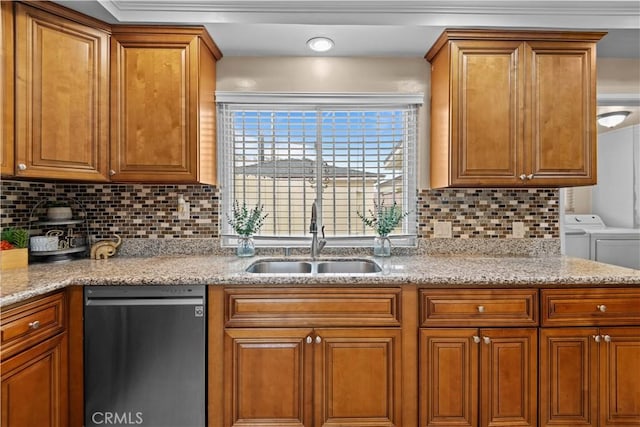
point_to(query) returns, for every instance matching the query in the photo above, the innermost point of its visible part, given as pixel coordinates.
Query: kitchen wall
(318, 74)
(618, 78)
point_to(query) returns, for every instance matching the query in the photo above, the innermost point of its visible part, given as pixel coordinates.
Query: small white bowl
(44, 243)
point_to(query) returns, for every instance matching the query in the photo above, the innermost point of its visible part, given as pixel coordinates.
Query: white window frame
(307, 99)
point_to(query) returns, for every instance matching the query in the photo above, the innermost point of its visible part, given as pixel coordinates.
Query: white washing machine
(587, 236)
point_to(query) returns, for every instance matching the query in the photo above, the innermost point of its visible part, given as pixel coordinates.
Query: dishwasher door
(144, 355)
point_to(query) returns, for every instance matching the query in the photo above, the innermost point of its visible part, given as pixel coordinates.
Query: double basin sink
(344, 266)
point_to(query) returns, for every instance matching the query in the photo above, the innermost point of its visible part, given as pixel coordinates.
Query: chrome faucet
(316, 245)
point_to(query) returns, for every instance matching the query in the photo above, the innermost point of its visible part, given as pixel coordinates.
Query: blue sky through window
(356, 139)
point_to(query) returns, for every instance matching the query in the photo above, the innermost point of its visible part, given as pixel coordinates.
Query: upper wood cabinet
(62, 97)
(163, 109)
(513, 108)
(6, 87)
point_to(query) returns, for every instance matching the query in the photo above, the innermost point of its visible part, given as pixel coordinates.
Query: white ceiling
(370, 28)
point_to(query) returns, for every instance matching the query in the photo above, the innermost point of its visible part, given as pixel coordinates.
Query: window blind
(346, 158)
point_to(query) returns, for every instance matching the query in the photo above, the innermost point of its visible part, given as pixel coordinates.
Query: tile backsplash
(136, 211)
(129, 210)
(146, 211)
(490, 213)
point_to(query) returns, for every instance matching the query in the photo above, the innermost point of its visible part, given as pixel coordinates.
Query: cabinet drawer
(30, 323)
(312, 307)
(477, 307)
(588, 307)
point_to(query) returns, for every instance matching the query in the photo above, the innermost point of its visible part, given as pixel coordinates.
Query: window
(346, 157)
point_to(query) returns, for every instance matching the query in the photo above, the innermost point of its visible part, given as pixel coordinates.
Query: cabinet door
(486, 114)
(568, 377)
(6, 87)
(35, 386)
(562, 112)
(154, 106)
(357, 376)
(508, 377)
(267, 377)
(619, 367)
(62, 98)
(448, 388)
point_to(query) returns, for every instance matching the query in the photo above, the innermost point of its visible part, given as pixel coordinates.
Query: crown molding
(366, 12)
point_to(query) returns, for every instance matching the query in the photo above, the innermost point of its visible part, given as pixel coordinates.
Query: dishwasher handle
(143, 301)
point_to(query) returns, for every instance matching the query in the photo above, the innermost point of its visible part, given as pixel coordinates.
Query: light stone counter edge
(429, 271)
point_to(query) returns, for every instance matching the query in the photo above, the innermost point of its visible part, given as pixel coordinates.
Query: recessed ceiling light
(320, 44)
(613, 118)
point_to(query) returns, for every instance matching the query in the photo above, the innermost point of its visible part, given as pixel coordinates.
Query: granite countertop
(432, 271)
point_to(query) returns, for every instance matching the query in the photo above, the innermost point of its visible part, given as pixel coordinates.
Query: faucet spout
(316, 245)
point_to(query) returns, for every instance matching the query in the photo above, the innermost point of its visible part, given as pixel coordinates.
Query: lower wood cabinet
(35, 364)
(478, 377)
(589, 372)
(478, 357)
(315, 357)
(312, 377)
(34, 386)
(589, 376)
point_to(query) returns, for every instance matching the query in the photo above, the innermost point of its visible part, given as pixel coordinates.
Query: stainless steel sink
(280, 267)
(346, 266)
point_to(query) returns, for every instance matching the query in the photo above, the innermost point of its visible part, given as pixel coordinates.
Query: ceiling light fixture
(320, 44)
(613, 118)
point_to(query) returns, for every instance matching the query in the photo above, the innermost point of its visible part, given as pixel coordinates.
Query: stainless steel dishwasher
(144, 355)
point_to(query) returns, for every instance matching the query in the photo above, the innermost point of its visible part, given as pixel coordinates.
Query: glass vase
(381, 246)
(246, 247)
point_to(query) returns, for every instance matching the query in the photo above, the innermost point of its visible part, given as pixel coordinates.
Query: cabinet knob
(34, 325)
(523, 177)
(596, 338)
(112, 172)
(486, 340)
(481, 309)
(476, 339)
(22, 167)
(601, 307)
(607, 338)
(530, 176)
(318, 339)
(309, 340)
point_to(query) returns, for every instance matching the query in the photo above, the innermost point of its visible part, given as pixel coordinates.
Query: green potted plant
(246, 223)
(383, 219)
(13, 248)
